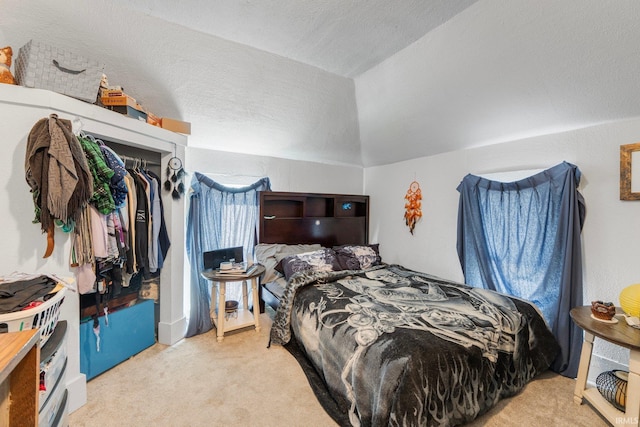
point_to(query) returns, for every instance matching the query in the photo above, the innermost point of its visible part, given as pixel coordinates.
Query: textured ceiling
(344, 37)
(357, 82)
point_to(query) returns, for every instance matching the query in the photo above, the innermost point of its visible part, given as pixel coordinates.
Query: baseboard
(171, 333)
(77, 389)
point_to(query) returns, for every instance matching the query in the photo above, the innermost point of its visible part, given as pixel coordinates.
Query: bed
(384, 345)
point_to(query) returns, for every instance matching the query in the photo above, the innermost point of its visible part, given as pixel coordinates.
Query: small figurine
(5, 66)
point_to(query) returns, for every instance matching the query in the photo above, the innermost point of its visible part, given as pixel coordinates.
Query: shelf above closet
(101, 121)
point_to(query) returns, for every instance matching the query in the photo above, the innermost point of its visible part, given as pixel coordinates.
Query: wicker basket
(39, 65)
(44, 316)
(612, 385)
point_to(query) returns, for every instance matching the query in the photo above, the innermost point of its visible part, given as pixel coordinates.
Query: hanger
(76, 123)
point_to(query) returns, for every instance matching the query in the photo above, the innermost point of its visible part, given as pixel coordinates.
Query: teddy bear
(5, 66)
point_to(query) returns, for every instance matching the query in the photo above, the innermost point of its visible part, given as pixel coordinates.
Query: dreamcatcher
(413, 211)
(175, 175)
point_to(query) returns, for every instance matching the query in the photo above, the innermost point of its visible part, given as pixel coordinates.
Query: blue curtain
(219, 217)
(523, 238)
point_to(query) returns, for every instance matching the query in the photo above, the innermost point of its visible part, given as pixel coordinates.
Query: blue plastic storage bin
(130, 330)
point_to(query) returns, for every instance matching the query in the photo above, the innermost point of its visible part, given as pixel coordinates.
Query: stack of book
(235, 268)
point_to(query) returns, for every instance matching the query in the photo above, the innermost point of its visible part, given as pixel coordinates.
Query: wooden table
(244, 316)
(619, 334)
(19, 377)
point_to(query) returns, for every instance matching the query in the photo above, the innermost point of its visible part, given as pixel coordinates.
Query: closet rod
(138, 159)
(125, 158)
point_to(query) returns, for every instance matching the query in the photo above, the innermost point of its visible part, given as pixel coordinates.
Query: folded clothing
(19, 294)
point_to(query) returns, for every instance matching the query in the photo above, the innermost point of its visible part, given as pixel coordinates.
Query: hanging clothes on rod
(102, 223)
(123, 233)
(151, 242)
(115, 212)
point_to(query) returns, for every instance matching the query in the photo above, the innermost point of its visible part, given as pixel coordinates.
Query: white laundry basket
(44, 316)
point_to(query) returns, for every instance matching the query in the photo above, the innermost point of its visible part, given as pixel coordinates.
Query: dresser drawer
(51, 369)
(62, 417)
(55, 401)
(55, 341)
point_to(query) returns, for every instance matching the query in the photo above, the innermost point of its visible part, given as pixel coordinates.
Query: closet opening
(121, 316)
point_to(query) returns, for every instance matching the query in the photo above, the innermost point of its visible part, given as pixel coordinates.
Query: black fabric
(321, 260)
(317, 385)
(398, 347)
(141, 225)
(163, 239)
(357, 257)
(14, 296)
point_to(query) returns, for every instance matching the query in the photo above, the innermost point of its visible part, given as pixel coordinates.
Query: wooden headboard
(305, 218)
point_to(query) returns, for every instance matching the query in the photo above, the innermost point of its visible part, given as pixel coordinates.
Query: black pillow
(357, 257)
(320, 260)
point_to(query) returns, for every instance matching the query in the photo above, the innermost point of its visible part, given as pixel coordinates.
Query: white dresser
(53, 405)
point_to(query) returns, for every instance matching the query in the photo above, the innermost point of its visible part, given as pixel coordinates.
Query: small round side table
(245, 317)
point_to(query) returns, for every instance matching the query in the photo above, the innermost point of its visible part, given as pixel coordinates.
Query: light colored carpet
(545, 401)
(240, 382)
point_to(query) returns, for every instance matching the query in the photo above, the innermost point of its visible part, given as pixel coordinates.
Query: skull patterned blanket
(389, 346)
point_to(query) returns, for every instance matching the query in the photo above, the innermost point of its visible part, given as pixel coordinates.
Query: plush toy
(5, 66)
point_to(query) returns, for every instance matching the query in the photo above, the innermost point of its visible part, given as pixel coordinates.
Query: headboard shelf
(351, 206)
(284, 208)
(318, 206)
(305, 218)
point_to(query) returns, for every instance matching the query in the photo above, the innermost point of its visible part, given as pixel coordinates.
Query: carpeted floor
(241, 382)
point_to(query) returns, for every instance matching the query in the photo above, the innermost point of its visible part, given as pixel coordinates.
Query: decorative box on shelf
(130, 111)
(122, 99)
(41, 66)
(176, 125)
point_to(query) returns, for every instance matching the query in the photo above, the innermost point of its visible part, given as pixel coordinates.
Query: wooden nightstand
(620, 334)
(244, 317)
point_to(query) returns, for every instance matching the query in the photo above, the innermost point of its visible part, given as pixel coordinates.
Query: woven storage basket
(44, 316)
(612, 385)
(41, 66)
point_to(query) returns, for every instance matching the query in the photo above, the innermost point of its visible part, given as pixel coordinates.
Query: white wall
(285, 175)
(611, 234)
(499, 71)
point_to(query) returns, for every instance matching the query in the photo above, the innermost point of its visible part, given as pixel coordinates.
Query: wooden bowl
(603, 310)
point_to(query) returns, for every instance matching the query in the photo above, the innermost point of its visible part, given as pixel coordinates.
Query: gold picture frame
(626, 168)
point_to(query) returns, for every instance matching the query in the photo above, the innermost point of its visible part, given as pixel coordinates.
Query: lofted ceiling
(356, 82)
(344, 37)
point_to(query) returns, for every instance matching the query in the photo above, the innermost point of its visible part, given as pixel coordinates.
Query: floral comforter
(391, 346)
